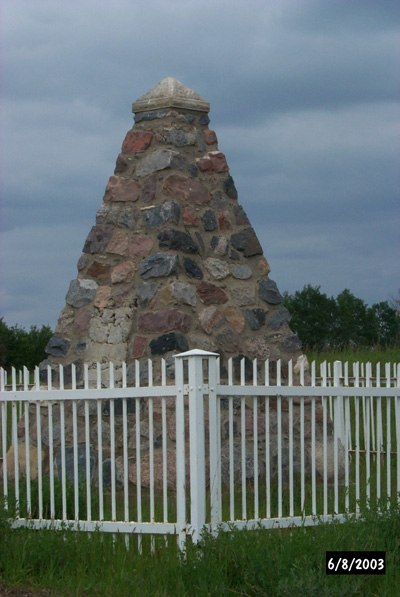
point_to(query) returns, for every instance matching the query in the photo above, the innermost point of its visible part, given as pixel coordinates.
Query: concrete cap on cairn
(170, 93)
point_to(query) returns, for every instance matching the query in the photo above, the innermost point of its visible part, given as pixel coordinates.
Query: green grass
(373, 355)
(239, 563)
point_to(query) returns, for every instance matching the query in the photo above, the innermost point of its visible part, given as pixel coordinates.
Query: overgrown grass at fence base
(258, 563)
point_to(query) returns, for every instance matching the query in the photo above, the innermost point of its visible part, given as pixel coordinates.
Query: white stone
(217, 268)
(241, 272)
(98, 330)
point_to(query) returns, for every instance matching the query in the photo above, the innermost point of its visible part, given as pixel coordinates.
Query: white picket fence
(254, 454)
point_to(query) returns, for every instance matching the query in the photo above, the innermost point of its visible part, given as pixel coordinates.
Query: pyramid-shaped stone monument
(172, 262)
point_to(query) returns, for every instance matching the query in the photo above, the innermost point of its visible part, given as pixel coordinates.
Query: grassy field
(239, 563)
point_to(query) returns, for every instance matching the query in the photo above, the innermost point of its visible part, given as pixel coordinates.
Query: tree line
(20, 348)
(325, 322)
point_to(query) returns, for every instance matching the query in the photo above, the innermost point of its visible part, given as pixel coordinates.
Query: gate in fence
(173, 457)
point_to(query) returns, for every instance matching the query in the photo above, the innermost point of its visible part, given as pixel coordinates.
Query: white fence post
(196, 440)
(197, 447)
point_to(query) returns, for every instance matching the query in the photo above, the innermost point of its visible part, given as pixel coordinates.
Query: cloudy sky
(304, 100)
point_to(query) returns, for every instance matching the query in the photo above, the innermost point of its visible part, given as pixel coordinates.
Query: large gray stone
(184, 293)
(160, 160)
(201, 146)
(119, 473)
(269, 292)
(128, 217)
(230, 189)
(69, 464)
(159, 265)
(241, 272)
(97, 240)
(57, 347)
(157, 216)
(80, 347)
(145, 292)
(209, 220)
(81, 292)
(177, 241)
(255, 317)
(237, 462)
(281, 318)
(177, 137)
(247, 242)
(44, 370)
(292, 344)
(228, 341)
(151, 115)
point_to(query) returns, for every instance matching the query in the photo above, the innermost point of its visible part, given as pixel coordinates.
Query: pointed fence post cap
(196, 352)
(170, 93)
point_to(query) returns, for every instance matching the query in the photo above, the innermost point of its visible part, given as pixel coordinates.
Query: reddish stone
(140, 246)
(180, 187)
(189, 216)
(100, 271)
(224, 220)
(97, 239)
(210, 318)
(149, 189)
(136, 141)
(209, 136)
(123, 296)
(82, 320)
(102, 296)
(235, 317)
(210, 294)
(257, 348)
(123, 272)
(122, 189)
(214, 161)
(164, 321)
(154, 473)
(118, 243)
(138, 347)
(249, 424)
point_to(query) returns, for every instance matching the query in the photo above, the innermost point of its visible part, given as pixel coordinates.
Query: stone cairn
(171, 264)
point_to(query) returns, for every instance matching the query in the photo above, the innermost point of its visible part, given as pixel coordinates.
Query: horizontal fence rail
(147, 450)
